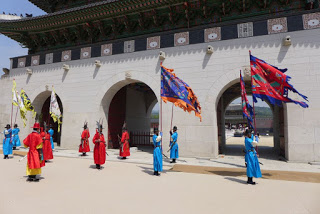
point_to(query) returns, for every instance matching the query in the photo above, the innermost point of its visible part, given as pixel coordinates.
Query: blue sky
(10, 48)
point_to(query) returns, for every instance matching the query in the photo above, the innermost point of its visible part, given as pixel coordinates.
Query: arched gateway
(129, 100)
(41, 104)
(101, 61)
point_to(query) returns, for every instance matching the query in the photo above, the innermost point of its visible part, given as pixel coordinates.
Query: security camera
(162, 55)
(287, 41)
(66, 67)
(209, 49)
(29, 71)
(97, 63)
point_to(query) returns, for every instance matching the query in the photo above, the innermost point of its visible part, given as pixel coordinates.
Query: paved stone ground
(70, 185)
(235, 160)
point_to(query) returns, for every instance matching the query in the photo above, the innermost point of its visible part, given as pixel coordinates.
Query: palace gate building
(103, 58)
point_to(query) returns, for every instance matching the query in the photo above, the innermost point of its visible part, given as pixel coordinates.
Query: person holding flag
(7, 142)
(251, 158)
(157, 152)
(174, 149)
(99, 152)
(35, 159)
(15, 137)
(84, 145)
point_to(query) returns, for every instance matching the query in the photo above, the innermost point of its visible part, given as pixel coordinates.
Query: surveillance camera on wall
(287, 41)
(162, 55)
(97, 63)
(209, 49)
(29, 71)
(66, 67)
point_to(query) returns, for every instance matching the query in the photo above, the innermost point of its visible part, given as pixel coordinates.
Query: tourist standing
(7, 142)
(15, 137)
(99, 152)
(174, 149)
(157, 152)
(84, 146)
(34, 157)
(124, 147)
(253, 167)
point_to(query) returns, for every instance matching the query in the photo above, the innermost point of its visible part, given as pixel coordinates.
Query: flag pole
(254, 112)
(11, 113)
(171, 117)
(15, 120)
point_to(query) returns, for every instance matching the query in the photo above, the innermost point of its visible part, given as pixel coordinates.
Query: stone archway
(41, 104)
(211, 103)
(115, 96)
(232, 92)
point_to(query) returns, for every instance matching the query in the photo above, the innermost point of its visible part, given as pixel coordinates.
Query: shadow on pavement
(94, 167)
(236, 180)
(150, 170)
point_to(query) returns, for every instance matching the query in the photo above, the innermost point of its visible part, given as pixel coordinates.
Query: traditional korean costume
(174, 152)
(125, 148)
(15, 137)
(253, 167)
(84, 146)
(99, 152)
(34, 157)
(51, 132)
(157, 154)
(7, 144)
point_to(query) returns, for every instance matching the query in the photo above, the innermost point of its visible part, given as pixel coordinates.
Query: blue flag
(178, 92)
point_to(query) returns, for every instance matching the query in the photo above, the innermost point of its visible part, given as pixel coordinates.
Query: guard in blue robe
(174, 149)
(15, 137)
(51, 132)
(7, 142)
(157, 153)
(252, 162)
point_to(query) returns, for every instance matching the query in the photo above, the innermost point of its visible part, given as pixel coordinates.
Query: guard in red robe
(99, 152)
(124, 146)
(35, 160)
(84, 145)
(47, 149)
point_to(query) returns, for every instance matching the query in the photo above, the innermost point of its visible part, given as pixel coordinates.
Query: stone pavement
(145, 156)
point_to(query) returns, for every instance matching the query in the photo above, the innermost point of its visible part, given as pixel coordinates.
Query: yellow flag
(23, 110)
(14, 94)
(27, 102)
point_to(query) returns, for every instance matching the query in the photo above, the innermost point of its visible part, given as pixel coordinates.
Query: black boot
(173, 160)
(84, 154)
(6, 157)
(154, 173)
(98, 166)
(157, 173)
(250, 181)
(14, 148)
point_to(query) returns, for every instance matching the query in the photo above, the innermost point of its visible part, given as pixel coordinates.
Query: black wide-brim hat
(175, 128)
(7, 126)
(155, 129)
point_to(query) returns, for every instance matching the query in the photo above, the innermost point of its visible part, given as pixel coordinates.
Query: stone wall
(86, 90)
